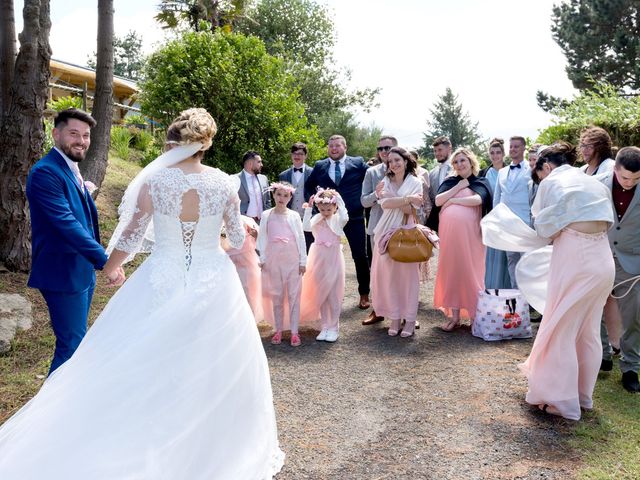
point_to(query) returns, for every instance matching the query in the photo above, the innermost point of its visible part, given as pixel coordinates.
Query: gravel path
(435, 406)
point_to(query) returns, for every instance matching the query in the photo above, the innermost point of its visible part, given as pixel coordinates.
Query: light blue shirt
(512, 189)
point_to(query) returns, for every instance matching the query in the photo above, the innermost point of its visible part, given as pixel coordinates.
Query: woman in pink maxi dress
(461, 265)
(323, 282)
(246, 262)
(563, 366)
(395, 286)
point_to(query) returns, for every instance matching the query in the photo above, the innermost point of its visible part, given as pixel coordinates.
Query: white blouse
(566, 196)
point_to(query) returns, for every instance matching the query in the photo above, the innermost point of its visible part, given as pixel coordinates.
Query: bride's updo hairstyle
(194, 125)
(560, 153)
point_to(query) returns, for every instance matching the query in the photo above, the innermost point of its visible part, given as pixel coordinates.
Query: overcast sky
(494, 54)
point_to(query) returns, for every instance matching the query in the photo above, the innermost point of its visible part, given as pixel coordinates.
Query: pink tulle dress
(323, 282)
(461, 263)
(247, 262)
(281, 279)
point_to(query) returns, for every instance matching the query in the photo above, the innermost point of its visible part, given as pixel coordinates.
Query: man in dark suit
(253, 193)
(346, 174)
(65, 244)
(297, 176)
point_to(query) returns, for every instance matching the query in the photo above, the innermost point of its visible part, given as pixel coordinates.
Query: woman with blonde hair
(463, 198)
(172, 379)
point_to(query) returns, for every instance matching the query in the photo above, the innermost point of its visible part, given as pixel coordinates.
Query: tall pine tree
(448, 118)
(601, 40)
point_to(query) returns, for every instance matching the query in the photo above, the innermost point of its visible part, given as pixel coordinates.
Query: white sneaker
(332, 336)
(323, 335)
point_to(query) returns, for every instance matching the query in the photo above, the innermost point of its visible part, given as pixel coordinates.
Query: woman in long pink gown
(563, 366)
(463, 199)
(395, 286)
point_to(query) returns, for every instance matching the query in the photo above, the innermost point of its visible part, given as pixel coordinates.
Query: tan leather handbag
(409, 245)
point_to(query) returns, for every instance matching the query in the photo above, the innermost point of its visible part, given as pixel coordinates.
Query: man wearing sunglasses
(369, 199)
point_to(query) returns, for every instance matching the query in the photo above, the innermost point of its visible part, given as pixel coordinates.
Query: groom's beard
(76, 156)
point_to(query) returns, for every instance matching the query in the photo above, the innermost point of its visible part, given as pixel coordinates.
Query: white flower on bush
(90, 186)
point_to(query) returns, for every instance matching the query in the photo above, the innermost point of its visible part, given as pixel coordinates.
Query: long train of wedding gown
(171, 382)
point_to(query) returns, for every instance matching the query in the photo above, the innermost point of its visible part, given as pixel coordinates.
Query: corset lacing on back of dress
(188, 230)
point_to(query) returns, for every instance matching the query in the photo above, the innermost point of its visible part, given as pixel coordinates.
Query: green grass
(609, 437)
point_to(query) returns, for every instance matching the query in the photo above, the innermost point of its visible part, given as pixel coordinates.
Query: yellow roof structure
(74, 75)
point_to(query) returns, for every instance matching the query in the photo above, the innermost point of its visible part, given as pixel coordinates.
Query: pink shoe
(276, 339)
(295, 340)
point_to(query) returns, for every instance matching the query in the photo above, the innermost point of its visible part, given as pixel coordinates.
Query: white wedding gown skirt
(170, 383)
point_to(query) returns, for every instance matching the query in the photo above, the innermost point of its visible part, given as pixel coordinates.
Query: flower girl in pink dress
(246, 261)
(283, 258)
(323, 285)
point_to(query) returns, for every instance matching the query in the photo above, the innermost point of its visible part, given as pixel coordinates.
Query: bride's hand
(116, 276)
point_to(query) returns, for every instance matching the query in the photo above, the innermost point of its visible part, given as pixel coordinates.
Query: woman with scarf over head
(463, 199)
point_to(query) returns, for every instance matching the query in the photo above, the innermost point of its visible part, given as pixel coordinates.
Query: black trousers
(357, 237)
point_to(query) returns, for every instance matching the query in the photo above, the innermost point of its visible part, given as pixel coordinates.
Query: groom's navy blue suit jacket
(65, 239)
(350, 187)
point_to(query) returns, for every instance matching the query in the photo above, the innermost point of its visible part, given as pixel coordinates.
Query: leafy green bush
(64, 103)
(140, 139)
(120, 141)
(604, 107)
(249, 93)
(136, 119)
(48, 138)
(153, 152)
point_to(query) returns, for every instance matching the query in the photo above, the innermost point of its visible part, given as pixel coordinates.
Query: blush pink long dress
(323, 282)
(461, 263)
(563, 366)
(395, 286)
(247, 262)
(281, 279)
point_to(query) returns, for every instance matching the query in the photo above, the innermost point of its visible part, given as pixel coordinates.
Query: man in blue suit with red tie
(65, 243)
(346, 174)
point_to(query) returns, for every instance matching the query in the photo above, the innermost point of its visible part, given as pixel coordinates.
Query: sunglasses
(386, 148)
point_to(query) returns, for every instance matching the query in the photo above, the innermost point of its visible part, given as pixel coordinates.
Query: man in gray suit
(253, 193)
(442, 151)
(297, 176)
(624, 238)
(369, 198)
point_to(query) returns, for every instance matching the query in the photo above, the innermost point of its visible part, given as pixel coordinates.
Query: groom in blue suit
(65, 244)
(346, 175)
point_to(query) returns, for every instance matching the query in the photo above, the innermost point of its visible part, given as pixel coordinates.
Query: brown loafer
(371, 319)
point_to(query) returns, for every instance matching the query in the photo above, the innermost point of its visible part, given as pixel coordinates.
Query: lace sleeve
(133, 232)
(232, 221)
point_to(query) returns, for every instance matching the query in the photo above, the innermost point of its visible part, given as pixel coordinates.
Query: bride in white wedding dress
(171, 382)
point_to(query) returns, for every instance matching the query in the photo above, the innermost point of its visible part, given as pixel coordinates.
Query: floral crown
(326, 199)
(281, 186)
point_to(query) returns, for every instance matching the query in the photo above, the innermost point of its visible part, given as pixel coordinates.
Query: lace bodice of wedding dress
(186, 252)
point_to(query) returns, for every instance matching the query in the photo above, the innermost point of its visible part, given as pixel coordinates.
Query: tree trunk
(22, 133)
(94, 167)
(7, 52)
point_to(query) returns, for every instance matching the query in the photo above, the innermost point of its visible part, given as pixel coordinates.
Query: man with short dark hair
(346, 174)
(624, 239)
(253, 191)
(442, 151)
(66, 249)
(297, 176)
